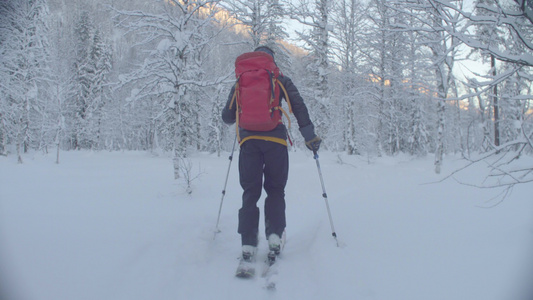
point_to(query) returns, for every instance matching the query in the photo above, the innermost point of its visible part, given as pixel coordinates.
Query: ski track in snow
(117, 226)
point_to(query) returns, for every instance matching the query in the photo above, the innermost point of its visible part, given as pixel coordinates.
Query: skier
(265, 154)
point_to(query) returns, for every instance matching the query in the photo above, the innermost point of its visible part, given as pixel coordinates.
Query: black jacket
(299, 110)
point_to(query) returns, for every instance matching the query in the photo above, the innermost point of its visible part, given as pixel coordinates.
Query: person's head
(265, 49)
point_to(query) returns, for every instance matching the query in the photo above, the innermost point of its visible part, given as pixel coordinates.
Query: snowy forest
(380, 77)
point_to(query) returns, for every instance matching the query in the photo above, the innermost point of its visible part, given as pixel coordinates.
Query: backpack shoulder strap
(286, 94)
(234, 94)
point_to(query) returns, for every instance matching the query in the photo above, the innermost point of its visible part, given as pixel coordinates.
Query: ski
(270, 271)
(246, 269)
(247, 266)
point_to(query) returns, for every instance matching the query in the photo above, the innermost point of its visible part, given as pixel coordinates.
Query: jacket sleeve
(299, 109)
(228, 115)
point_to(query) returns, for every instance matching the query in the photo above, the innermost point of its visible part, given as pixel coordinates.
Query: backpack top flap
(255, 61)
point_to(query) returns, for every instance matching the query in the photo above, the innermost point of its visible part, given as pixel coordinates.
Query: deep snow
(117, 226)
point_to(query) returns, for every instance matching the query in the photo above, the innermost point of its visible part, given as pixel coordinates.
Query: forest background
(379, 77)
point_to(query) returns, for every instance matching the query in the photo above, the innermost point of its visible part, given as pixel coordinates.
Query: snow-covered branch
(511, 20)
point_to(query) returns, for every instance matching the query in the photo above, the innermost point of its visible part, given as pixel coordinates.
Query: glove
(314, 143)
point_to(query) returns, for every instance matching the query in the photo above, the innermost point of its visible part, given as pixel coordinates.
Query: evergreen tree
(101, 65)
(83, 75)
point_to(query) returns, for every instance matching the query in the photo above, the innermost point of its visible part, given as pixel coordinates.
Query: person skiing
(264, 154)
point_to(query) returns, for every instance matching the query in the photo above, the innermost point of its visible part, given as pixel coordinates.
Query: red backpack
(257, 92)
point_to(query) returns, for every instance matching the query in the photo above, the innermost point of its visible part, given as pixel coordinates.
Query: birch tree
(506, 19)
(419, 113)
(348, 20)
(23, 68)
(444, 49)
(492, 36)
(439, 29)
(377, 50)
(314, 15)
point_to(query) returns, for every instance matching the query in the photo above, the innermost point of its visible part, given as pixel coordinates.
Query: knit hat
(265, 49)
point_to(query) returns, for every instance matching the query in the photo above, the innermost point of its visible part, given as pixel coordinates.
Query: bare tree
(314, 15)
(23, 69)
(505, 22)
(348, 17)
(262, 20)
(176, 38)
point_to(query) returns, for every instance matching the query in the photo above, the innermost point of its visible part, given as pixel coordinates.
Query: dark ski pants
(258, 159)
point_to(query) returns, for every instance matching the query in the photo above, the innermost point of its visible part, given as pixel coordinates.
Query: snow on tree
(23, 68)
(352, 114)
(526, 6)
(419, 112)
(377, 76)
(101, 64)
(261, 19)
(91, 67)
(505, 34)
(260, 23)
(505, 15)
(176, 37)
(437, 29)
(494, 37)
(314, 16)
(379, 57)
(443, 49)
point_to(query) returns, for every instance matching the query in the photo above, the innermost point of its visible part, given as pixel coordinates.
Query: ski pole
(325, 195)
(217, 230)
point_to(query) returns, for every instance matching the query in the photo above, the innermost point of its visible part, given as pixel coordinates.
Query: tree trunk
(495, 103)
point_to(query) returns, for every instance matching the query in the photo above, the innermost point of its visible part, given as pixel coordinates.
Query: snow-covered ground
(118, 226)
